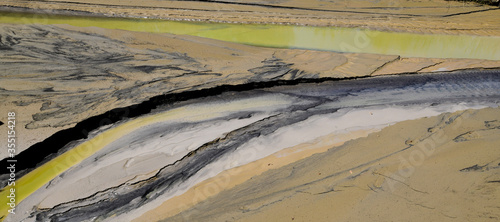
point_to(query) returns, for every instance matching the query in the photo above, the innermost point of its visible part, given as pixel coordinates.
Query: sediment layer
(57, 76)
(442, 168)
(133, 166)
(437, 168)
(429, 16)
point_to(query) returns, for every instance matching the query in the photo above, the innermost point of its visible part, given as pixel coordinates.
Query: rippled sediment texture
(131, 167)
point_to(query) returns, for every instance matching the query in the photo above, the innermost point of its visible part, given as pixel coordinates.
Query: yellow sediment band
(32, 181)
(288, 36)
(40, 176)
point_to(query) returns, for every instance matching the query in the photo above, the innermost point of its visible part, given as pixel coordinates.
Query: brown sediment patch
(413, 170)
(444, 17)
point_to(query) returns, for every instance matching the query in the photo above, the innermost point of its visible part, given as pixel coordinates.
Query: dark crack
(473, 168)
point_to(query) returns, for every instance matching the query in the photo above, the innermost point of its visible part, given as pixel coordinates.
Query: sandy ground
(444, 168)
(57, 87)
(440, 169)
(427, 16)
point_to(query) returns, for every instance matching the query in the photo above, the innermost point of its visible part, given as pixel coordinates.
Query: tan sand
(368, 179)
(434, 169)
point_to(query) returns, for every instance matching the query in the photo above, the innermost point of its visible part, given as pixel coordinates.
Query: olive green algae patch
(288, 36)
